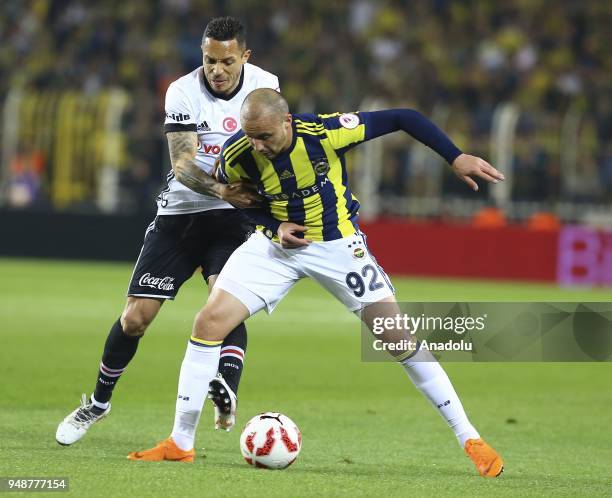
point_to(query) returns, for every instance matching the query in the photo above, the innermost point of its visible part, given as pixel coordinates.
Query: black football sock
(232, 356)
(119, 349)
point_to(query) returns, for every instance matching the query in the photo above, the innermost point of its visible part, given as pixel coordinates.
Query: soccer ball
(271, 441)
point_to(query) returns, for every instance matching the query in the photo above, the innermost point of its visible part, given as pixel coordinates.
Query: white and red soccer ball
(270, 441)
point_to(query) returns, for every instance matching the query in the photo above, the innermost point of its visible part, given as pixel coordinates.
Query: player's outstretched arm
(419, 127)
(466, 166)
(183, 146)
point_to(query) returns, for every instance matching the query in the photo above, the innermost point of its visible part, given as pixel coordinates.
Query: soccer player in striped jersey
(308, 228)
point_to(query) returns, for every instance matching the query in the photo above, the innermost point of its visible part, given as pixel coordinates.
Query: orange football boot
(165, 450)
(487, 460)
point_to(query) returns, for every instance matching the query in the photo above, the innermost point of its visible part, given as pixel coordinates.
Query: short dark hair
(224, 29)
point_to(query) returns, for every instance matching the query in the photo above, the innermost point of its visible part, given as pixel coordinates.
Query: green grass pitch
(366, 430)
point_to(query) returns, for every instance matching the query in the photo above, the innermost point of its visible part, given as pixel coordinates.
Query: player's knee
(134, 322)
(209, 324)
(138, 315)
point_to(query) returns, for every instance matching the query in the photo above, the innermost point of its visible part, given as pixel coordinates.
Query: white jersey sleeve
(180, 112)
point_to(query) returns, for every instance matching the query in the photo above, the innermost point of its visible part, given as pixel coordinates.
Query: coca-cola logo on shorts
(161, 283)
(230, 124)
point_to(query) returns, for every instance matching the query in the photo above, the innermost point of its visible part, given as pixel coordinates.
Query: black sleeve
(168, 127)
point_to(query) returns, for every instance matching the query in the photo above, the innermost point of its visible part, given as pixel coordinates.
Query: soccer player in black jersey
(195, 227)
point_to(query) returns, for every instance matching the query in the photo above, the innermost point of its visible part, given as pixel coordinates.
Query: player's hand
(466, 166)
(241, 194)
(286, 236)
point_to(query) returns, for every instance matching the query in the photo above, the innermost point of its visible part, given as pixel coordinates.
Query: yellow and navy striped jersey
(308, 183)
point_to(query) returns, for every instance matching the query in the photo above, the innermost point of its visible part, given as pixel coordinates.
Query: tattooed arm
(183, 146)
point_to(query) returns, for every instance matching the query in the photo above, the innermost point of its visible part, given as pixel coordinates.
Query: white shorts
(260, 272)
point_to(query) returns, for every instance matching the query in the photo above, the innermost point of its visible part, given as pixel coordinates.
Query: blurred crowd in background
(464, 57)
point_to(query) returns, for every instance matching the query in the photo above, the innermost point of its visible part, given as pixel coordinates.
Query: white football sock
(198, 369)
(430, 378)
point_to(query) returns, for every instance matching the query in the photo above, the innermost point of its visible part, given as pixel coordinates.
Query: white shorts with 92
(260, 272)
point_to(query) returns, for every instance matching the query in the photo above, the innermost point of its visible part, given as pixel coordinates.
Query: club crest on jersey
(320, 166)
(230, 124)
(358, 253)
(349, 121)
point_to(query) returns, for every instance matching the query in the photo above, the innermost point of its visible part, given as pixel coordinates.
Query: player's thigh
(259, 273)
(165, 262)
(227, 230)
(347, 269)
